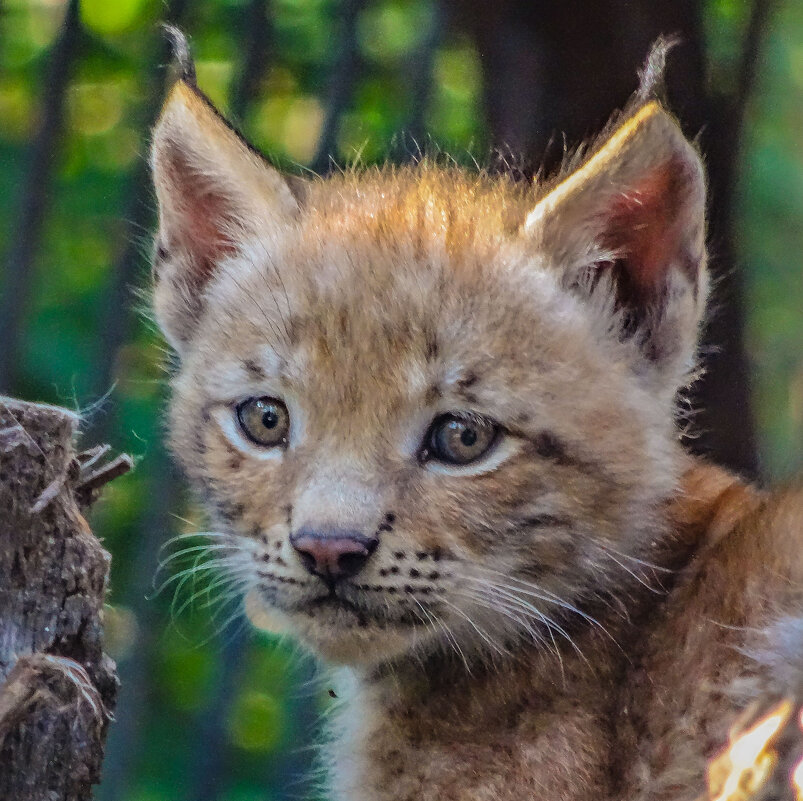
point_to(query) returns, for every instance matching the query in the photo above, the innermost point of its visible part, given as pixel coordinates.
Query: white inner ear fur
(636, 211)
(189, 128)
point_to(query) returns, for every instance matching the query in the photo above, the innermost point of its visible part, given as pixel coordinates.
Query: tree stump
(57, 687)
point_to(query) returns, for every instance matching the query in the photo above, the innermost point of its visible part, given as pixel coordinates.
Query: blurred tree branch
(722, 399)
(257, 29)
(117, 308)
(421, 68)
(155, 521)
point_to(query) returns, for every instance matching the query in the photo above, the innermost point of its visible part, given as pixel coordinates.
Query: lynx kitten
(432, 413)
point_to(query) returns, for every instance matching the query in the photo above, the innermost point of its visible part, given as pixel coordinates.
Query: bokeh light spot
(255, 722)
(110, 17)
(95, 108)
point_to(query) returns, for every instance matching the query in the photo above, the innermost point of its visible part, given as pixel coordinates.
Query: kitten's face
(417, 431)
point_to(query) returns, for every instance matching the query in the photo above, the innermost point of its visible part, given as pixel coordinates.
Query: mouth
(333, 609)
(342, 606)
(336, 603)
(356, 629)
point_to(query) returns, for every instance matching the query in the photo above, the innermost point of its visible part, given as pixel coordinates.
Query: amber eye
(460, 439)
(265, 421)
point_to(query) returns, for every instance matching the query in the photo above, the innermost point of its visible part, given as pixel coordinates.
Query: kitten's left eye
(458, 440)
(264, 421)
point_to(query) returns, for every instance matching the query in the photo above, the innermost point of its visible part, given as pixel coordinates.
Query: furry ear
(213, 191)
(630, 222)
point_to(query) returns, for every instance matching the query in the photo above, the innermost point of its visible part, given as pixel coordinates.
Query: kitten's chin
(337, 638)
(364, 647)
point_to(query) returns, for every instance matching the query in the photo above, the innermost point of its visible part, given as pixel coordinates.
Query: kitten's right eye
(264, 421)
(459, 439)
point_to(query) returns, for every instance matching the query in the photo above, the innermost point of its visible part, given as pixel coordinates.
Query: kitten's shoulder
(730, 632)
(750, 538)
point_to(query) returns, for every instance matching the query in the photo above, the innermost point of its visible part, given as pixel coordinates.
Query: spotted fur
(580, 613)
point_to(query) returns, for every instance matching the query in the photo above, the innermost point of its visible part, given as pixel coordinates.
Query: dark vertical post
(257, 55)
(341, 83)
(19, 261)
(125, 736)
(721, 401)
(155, 522)
(118, 312)
(422, 66)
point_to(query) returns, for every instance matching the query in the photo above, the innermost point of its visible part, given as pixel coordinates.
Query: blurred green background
(230, 715)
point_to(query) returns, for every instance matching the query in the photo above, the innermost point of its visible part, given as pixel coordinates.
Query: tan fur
(579, 614)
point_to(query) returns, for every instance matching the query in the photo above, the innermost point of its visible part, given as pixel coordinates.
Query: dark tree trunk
(345, 73)
(57, 687)
(33, 202)
(136, 672)
(555, 71)
(257, 36)
(413, 142)
(155, 522)
(115, 326)
(722, 399)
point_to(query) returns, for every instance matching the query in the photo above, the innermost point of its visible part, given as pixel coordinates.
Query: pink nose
(333, 555)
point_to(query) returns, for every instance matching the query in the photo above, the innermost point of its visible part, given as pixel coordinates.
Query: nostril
(353, 553)
(349, 564)
(307, 559)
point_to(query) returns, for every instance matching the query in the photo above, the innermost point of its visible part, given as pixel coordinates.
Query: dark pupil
(270, 419)
(468, 436)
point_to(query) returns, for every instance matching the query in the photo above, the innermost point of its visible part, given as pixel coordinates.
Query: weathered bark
(57, 687)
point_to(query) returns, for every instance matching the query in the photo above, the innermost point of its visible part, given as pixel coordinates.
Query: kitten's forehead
(402, 242)
(398, 282)
(423, 201)
(366, 329)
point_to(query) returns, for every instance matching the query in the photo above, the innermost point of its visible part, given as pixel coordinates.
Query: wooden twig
(90, 482)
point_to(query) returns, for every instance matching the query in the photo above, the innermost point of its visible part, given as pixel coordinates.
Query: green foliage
(89, 208)
(771, 239)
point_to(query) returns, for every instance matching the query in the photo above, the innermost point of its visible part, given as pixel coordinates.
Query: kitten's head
(430, 408)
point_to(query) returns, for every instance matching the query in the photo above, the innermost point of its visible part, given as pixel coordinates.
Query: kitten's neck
(402, 731)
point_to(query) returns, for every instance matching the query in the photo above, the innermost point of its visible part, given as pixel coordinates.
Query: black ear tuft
(653, 73)
(183, 63)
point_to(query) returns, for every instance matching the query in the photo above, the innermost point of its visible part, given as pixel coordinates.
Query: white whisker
(640, 579)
